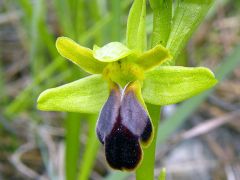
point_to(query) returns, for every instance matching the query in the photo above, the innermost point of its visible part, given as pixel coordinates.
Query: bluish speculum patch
(124, 123)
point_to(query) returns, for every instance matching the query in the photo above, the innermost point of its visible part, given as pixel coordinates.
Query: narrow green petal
(81, 56)
(86, 95)
(154, 57)
(111, 52)
(172, 84)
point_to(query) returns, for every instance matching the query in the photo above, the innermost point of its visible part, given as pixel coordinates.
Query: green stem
(162, 14)
(72, 145)
(146, 169)
(91, 150)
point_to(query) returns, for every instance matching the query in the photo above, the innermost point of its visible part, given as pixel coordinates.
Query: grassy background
(37, 144)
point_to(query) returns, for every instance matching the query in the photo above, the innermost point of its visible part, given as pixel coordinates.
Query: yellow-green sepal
(79, 55)
(172, 84)
(86, 95)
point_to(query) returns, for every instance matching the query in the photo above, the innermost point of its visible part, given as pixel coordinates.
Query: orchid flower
(122, 81)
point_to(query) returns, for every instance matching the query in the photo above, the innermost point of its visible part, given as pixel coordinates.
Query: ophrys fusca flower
(122, 81)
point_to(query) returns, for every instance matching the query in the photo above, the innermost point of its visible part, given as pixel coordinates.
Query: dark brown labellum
(122, 123)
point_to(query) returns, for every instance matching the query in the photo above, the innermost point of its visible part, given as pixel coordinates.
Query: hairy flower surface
(122, 81)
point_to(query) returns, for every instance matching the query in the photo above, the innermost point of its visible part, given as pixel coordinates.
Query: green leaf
(154, 57)
(111, 52)
(187, 16)
(81, 56)
(136, 26)
(86, 95)
(162, 20)
(172, 84)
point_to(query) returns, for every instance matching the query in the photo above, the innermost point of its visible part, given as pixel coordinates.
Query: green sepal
(86, 95)
(172, 84)
(111, 52)
(79, 55)
(188, 15)
(154, 57)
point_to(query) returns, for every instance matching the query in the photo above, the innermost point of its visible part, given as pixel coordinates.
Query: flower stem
(73, 128)
(162, 14)
(146, 169)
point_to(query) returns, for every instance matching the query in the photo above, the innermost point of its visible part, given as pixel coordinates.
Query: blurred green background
(198, 139)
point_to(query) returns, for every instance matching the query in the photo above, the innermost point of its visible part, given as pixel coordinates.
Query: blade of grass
(95, 29)
(95, 17)
(124, 6)
(72, 4)
(26, 7)
(46, 36)
(48, 39)
(35, 47)
(77, 16)
(80, 22)
(188, 107)
(63, 12)
(91, 150)
(72, 126)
